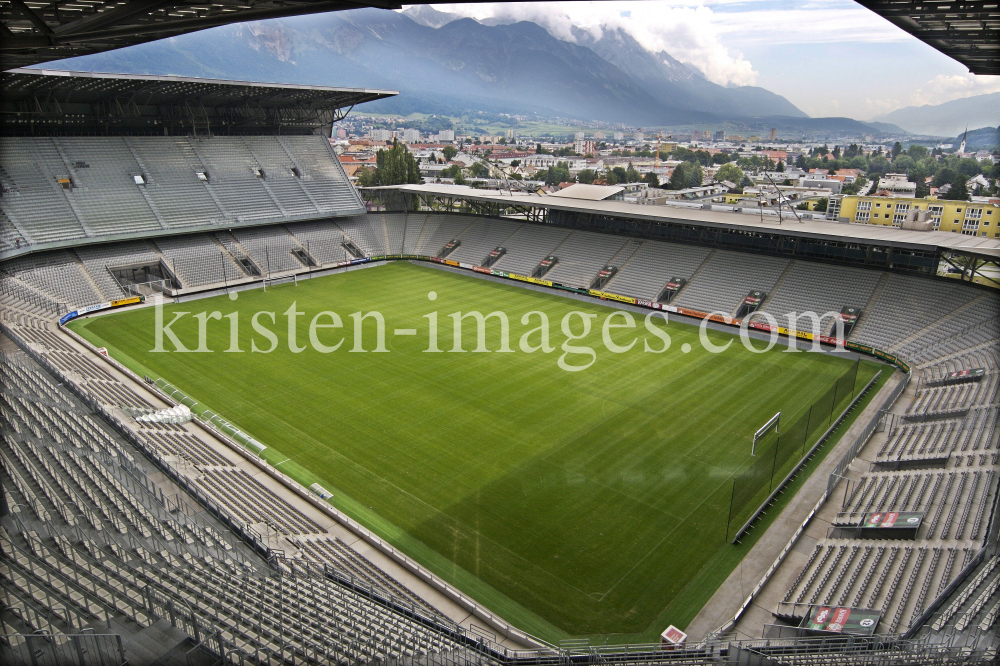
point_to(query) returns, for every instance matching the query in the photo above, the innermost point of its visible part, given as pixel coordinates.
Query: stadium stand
(901, 579)
(528, 246)
(481, 238)
(649, 269)
(119, 526)
(581, 255)
(367, 233)
(905, 307)
(727, 277)
(197, 261)
(87, 187)
(91, 542)
(811, 287)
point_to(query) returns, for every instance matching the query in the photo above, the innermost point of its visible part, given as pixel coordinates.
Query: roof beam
(119, 13)
(34, 18)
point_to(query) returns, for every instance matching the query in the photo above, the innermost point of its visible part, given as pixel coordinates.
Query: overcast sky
(828, 57)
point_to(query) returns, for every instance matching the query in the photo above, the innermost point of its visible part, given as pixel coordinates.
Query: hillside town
(855, 181)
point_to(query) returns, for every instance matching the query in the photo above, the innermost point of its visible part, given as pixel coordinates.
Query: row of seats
(718, 280)
(90, 542)
(74, 188)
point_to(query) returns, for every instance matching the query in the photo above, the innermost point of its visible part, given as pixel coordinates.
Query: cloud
(685, 31)
(946, 87)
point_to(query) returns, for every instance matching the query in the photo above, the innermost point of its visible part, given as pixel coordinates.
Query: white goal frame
(773, 421)
(294, 278)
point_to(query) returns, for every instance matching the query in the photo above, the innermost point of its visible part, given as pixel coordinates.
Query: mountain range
(447, 66)
(949, 118)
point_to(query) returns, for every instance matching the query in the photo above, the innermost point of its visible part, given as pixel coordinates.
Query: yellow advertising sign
(612, 297)
(525, 278)
(126, 301)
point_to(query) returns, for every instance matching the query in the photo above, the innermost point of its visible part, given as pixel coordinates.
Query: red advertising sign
(890, 519)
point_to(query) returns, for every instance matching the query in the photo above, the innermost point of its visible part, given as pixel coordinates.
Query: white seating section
(270, 247)
(649, 269)
(481, 238)
(197, 261)
(439, 230)
(581, 256)
(247, 179)
(727, 277)
(820, 288)
(905, 306)
(323, 240)
(367, 232)
(91, 544)
(528, 246)
(57, 274)
(35, 202)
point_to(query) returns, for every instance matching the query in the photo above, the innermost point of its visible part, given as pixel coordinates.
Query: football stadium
(252, 414)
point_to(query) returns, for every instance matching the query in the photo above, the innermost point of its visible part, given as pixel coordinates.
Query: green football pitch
(572, 503)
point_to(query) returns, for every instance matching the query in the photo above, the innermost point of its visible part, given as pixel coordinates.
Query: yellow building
(960, 217)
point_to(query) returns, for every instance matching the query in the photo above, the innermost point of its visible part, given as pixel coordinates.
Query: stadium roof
(40, 31)
(862, 234)
(966, 30)
(37, 101)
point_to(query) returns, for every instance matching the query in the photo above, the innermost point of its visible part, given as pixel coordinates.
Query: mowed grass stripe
(571, 503)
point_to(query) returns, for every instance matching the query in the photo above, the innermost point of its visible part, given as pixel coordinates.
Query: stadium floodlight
(763, 431)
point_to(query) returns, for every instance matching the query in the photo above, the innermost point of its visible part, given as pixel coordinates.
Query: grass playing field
(572, 503)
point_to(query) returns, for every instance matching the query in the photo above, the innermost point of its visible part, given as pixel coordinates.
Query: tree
(449, 152)
(685, 175)
(366, 177)
(396, 166)
(917, 152)
(944, 176)
(820, 206)
(836, 152)
(621, 176)
(586, 176)
(539, 150)
(651, 179)
(902, 164)
(558, 174)
(800, 162)
(730, 172)
(479, 170)
(897, 149)
(958, 192)
(781, 166)
(515, 163)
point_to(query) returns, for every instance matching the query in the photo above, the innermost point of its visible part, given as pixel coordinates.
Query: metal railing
(84, 649)
(837, 474)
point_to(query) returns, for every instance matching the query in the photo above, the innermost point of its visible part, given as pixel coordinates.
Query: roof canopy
(964, 30)
(46, 102)
(930, 242)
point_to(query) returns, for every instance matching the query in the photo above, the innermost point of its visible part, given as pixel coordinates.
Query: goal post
(763, 430)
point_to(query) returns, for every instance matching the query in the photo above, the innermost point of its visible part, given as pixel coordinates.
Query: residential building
(579, 136)
(411, 136)
(446, 135)
(898, 184)
(971, 219)
(773, 135)
(585, 147)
